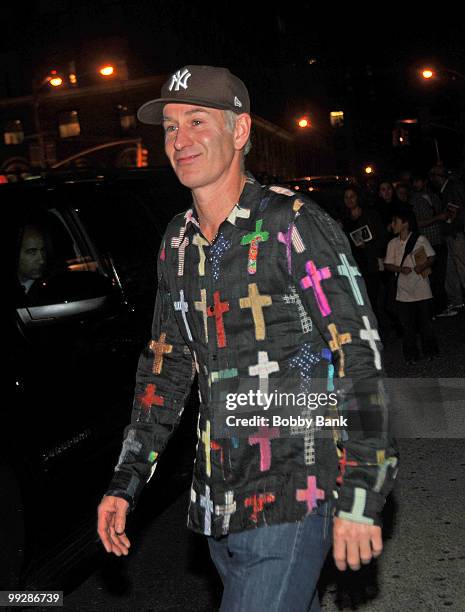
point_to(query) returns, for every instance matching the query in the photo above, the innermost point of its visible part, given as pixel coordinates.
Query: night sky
(365, 60)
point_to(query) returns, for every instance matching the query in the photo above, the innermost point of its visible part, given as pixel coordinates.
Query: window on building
(68, 124)
(14, 132)
(336, 118)
(127, 118)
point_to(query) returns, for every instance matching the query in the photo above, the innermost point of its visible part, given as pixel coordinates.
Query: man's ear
(242, 130)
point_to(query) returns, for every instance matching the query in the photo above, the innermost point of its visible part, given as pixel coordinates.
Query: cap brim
(152, 111)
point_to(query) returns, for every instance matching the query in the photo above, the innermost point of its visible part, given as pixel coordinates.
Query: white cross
(345, 269)
(130, 445)
(200, 242)
(305, 320)
(226, 510)
(183, 307)
(238, 212)
(180, 243)
(371, 335)
(207, 504)
(308, 434)
(262, 369)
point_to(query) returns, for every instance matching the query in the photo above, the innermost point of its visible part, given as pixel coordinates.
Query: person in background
(369, 252)
(403, 191)
(413, 295)
(32, 262)
(387, 202)
(452, 194)
(430, 218)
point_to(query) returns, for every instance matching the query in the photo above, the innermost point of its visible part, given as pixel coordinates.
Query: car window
(52, 265)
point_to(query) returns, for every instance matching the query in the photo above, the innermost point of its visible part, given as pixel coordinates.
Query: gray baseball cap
(200, 85)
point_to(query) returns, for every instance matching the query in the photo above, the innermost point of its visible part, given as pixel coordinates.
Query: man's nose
(182, 139)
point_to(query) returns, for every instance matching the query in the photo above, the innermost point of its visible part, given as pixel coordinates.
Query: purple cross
(263, 437)
(310, 494)
(313, 280)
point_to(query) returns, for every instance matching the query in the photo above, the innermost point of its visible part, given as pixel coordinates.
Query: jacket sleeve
(163, 380)
(342, 313)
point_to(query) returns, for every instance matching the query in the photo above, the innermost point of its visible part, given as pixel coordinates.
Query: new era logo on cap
(200, 85)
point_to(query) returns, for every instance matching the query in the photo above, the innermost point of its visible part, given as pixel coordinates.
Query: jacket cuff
(359, 505)
(127, 486)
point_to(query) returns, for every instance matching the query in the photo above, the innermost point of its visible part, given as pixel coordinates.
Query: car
(326, 190)
(84, 285)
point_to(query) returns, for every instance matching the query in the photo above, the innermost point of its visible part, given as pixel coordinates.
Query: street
(423, 564)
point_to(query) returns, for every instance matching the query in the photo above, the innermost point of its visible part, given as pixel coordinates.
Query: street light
(304, 122)
(427, 74)
(430, 73)
(107, 70)
(369, 169)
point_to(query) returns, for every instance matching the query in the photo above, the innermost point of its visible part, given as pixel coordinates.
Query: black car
(84, 286)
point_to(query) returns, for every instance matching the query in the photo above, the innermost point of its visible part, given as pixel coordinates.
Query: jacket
(276, 298)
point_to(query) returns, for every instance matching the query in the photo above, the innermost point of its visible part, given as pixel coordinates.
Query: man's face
(350, 199)
(398, 225)
(33, 256)
(385, 191)
(198, 144)
(436, 179)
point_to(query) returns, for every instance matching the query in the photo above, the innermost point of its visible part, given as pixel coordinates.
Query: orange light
(427, 74)
(304, 122)
(369, 170)
(107, 70)
(55, 81)
(72, 79)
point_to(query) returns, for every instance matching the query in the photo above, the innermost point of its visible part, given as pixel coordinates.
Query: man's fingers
(376, 543)
(353, 555)
(365, 551)
(339, 554)
(102, 529)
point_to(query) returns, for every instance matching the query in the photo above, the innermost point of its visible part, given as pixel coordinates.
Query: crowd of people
(408, 238)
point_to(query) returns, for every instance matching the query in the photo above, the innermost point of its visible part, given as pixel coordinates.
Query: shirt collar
(243, 213)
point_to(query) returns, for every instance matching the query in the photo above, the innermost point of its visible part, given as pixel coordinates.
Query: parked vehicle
(82, 319)
(327, 190)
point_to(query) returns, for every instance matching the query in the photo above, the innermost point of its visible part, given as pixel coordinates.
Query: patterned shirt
(277, 301)
(425, 206)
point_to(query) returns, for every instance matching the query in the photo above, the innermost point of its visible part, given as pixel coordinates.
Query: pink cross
(310, 494)
(313, 278)
(263, 437)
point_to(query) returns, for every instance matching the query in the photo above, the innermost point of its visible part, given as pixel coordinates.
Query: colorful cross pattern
(326, 354)
(256, 303)
(358, 508)
(257, 503)
(149, 398)
(163, 252)
(310, 494)
(294, 298)
(205, 437)
(159, 348)
(226, 510)
(308, 435)
(201, 306)
(200, 242)
(263, 438)
(190, 218)
(382, 472)
(336, 343)
(263, 369)
(238, 213)
(291, 238)
(217, 251)
(182, 306)
(345, 269)
(218, 375)
(371, 335)
(217, 311)
(343, 463)
(180, 243)
(130, 445)
(305, 361)
(207, 505)
(253, 239)
(313, 279)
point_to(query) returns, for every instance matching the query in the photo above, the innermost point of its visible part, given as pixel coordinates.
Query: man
(452, 193)
(32, 262)
(255, 284)
(430, 218)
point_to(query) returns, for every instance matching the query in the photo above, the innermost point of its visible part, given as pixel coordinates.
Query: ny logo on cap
(179, 79)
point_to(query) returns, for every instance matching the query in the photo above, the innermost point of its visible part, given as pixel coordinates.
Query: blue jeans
(274, 568)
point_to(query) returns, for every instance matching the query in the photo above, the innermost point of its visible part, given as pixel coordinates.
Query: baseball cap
(201, 85)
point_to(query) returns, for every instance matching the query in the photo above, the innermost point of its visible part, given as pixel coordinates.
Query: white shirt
(410, 287)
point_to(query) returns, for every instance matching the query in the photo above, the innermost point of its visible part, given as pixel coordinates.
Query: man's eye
(196, 121)
(170, 128)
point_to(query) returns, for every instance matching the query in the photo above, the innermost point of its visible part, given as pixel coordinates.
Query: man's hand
(355, 543)
(111, 522)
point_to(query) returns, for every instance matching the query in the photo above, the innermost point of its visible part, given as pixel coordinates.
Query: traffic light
(142, 156)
